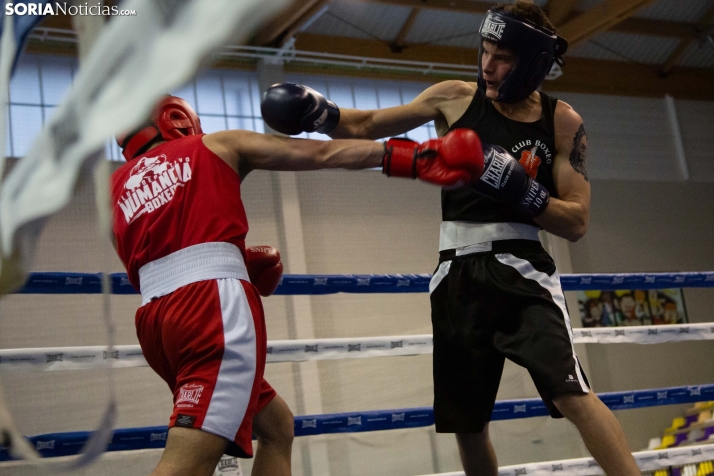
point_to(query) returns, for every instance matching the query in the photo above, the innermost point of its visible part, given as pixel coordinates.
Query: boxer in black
(496, 293)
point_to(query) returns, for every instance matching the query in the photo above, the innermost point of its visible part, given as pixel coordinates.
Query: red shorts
(207, 341)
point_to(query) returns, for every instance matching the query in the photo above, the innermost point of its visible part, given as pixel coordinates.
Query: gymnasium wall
(644, 217)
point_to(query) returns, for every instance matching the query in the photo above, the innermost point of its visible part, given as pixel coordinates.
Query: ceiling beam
(663, 28)
(684, 44)
(637, 26)
(273, 30)
(560, 10)
(599, 18)
(378, 49)
(306, 17)
(461, 6)
(581, 75)
(400, 41)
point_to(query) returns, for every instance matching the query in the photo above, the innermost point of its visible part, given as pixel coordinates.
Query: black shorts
(492, 305)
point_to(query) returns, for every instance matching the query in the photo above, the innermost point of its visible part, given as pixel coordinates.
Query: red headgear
(172, 118)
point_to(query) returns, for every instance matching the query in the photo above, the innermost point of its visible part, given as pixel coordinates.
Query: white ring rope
(78, 358)
(646, 461)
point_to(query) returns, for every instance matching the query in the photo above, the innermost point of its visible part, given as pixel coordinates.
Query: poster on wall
(634, 307)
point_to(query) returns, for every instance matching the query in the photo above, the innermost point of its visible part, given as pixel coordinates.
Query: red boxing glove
(451, 161)
(264, 268)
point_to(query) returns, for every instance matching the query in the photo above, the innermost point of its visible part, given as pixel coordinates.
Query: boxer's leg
(601, 432)
(190, 452)
(274, 428)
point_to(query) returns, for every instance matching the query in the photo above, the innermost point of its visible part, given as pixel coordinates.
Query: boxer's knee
(577, 407)
(190, 452)
(274, 423)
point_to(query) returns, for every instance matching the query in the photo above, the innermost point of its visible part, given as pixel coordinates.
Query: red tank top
(178, 194)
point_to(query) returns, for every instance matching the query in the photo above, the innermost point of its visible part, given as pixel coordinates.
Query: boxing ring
(687, 452)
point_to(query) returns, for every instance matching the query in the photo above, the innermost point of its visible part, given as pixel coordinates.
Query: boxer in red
(180, 228)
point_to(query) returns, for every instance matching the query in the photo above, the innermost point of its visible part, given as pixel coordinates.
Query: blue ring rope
(65, 444)
(315, 284)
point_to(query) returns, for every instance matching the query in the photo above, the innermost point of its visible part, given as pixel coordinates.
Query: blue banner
(317, 284)
(64, 444)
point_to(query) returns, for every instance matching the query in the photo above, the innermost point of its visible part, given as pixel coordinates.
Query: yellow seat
(677, 423)
(667, 441)
(705, 469)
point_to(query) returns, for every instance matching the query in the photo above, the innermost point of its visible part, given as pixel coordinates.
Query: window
(223, 99)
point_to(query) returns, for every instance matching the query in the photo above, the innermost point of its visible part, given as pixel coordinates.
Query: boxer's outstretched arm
(293, 108)
(393, 121)
(246, 151)
(568, 215)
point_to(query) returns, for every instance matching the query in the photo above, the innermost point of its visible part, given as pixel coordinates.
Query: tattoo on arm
(579, 153)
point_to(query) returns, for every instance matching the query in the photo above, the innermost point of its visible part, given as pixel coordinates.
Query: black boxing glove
(506, 180)
(292, 109)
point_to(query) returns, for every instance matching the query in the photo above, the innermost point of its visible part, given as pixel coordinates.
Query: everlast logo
(398, 417)
(45, 445)
(587, 334)
(311, 348)
(557, 467)
(114, 355)
(521, 471)
(68, 281)
(399, 343)
(190, 393)
(354, 347)
(158, 436)
(309, 424)
(684, 330)
(496, 166)
(663, 455)
(493, 28)
(620, 333)
(519, 408)
(227, 463)
(651, 332)
(55, 357)
(628, 399)
(269, 350)
(354, 420)
(696, 452)
(661, 395)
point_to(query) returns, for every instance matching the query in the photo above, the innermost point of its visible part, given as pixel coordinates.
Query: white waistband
(456, 234)
(190, 265)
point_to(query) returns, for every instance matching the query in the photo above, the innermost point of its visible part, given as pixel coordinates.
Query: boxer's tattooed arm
(579, 153)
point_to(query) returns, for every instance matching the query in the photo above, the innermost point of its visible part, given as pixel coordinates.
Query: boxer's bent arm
(568, 215)
(248, 151)
(394, 121)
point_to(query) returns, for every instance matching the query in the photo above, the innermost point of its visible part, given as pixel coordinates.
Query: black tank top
(531, 143)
